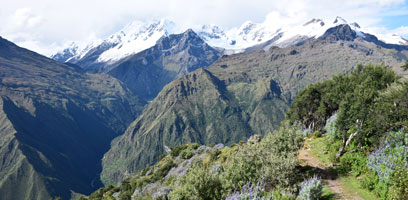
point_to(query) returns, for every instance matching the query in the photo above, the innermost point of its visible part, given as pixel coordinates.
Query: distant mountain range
(138, 36)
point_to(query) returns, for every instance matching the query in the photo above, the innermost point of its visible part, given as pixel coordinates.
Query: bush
(392, 155)
(355, 163)
(198, 184)
(399, 185)
(312, 189)
(250, 191)
(186, 151)
(388, 163)
(163, 170)
(274, 158)
(175, 151)
(332, 131)
(307, 132)
(127, 195)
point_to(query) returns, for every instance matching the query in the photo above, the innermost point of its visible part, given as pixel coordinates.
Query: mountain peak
(355, 25)
(135, 37)
(339, 20)
(315, 21)
(340, 32)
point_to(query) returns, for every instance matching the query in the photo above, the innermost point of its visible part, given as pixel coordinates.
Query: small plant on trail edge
(250, 191)
(311, 189)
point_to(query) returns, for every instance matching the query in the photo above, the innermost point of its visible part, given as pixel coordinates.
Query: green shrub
(163, 170)
(332, 148)
(274, 158)
(312, 189)
(369, 180)
(175, 151)
(356, 163)
(186, 151)
(307, 132)
(127, 195)
(399, 185)
(198, 184)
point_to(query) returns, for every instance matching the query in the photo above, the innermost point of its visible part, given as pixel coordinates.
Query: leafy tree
(312, 106)
(358, 102)
(390, 111)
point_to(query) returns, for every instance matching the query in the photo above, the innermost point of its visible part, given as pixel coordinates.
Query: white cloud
(24, 18)
(48, 24)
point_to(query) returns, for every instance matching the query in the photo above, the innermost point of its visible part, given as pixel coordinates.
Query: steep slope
(240, 95)
(147, 72)
(56, 122)
(196, 108)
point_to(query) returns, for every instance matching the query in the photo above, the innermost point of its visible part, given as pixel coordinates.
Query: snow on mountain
(247, 35)
(138, 36)
(393, 39)
(251, 34)
(133, 38)
(81, 50)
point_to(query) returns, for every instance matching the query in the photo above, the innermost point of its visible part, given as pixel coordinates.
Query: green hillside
(57, 121)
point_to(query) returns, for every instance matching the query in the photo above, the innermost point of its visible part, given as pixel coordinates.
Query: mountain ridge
(234, 40)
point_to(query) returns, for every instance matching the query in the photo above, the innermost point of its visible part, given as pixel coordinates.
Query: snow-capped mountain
(133, 38)
(251, 34)
(238, 39)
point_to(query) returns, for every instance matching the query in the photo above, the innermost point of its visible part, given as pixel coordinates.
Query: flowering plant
(392, 155)
(311, 189)
(250, 191)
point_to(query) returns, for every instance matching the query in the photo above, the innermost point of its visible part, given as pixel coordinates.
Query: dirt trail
(329, 178)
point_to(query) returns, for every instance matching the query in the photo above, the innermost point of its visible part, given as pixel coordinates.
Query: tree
(357, 104)
(313, 105)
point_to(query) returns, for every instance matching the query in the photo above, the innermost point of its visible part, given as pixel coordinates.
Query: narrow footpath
(330, 179)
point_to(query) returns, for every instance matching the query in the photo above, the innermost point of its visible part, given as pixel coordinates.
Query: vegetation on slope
(196, 108)
(199, 172)
(349, 103)
(367, 116)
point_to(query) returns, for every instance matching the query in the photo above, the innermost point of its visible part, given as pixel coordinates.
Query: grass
(318, 148)
(352, 186)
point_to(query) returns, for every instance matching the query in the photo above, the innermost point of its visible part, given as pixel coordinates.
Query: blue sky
(46, 26)
(393, 22)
